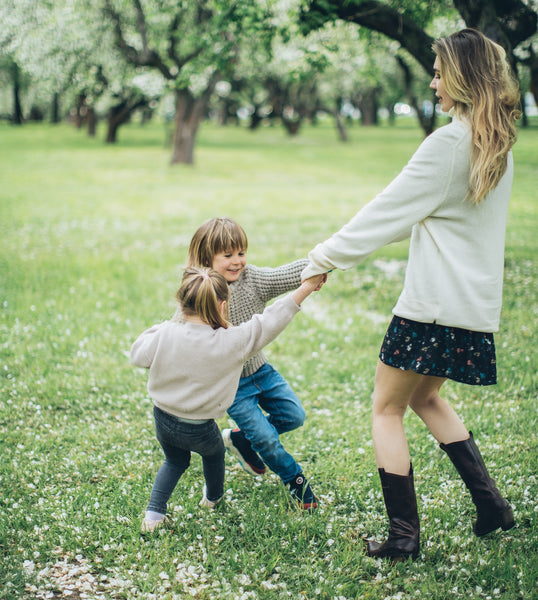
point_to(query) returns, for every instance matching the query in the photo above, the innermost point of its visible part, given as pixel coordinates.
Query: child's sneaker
(149, 524)
(236, 442)
(208, 503)
(301, 491)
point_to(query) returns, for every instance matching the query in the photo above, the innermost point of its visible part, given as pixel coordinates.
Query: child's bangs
(231, 238)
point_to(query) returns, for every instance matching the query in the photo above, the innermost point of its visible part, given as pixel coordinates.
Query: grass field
(93, 240)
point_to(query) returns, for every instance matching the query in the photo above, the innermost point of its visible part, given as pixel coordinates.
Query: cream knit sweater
(194, 369)
(456, 254)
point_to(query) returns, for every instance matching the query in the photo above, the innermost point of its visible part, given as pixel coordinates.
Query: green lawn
(93, 240)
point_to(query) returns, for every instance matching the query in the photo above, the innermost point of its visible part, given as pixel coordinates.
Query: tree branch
(141, 24)
(144, 58)
(377, 16)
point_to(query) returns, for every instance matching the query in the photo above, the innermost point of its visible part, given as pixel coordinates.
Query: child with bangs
(265, 406)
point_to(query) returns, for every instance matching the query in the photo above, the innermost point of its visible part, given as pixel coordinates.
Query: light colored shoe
(149, 525)
(205, 503)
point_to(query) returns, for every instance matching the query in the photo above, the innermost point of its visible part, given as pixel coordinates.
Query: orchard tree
(60, 51)
(122, 99)
(24, 34)
(67, 50)
(193, 45)
(362, 72)
(292, 79)
(11, 76)
(511, 23)
(348, 72)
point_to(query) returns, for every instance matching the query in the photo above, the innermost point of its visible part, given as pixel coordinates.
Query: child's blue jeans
(178, 438)
(268, 390)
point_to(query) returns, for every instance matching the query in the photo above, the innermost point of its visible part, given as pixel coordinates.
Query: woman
(452, 199)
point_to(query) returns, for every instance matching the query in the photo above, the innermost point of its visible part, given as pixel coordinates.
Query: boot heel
(507, 520)
(489, 523)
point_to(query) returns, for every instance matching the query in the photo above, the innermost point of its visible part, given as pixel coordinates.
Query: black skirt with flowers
(430, 349)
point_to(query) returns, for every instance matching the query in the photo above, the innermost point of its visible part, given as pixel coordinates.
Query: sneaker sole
(228, 444)
(211, 504)
(149, 526)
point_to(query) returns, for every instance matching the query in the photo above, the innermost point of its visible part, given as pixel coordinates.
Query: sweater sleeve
(411, 197)
(272, 282)
(144, 347)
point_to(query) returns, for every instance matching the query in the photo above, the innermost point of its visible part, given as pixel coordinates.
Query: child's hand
(312, 284)
(317, 281)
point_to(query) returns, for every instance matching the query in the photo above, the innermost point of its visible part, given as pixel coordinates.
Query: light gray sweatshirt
(455, 269)
(194, 369)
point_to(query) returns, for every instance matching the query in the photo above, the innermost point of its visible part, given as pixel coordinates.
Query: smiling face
(230, 264)
(445, 100)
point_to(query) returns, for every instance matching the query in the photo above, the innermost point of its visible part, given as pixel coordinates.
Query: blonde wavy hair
(201, 293)
(478, 77)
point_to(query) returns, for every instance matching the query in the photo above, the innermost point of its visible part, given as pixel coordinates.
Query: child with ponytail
(195, 362)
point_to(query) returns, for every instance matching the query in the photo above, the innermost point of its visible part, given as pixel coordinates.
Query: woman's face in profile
(445, 100)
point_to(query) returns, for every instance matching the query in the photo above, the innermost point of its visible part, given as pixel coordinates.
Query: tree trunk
(189, 113)
(17, 108)
(55, 112)
(532, 63)
(368, 105)
(80, 110)
(427, 122)
(534, 78)
(92, 121)
(255, 118)
(112, 131)
(392, 116)
(292, 126)
(186, 124)
(116, 116)
(342, 131)
(120, 114)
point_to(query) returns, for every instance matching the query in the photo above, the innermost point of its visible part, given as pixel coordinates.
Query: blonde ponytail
(201, 293)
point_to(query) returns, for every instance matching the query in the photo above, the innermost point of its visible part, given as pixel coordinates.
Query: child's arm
(264, 328)
(143, 349)
(271, 282)
(307, 287)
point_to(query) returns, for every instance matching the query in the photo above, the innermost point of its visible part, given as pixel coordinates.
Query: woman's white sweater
(194, 369)
(456, 254)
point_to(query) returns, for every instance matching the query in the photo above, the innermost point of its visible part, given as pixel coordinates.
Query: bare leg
(393, 389)
(440, 418)
(392, 392)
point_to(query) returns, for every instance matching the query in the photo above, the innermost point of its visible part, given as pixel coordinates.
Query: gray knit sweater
(254, 288)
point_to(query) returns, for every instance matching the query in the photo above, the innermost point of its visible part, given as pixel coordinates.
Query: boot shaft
(399, 496)
(493, 511)
(401, 505)
(469, 463)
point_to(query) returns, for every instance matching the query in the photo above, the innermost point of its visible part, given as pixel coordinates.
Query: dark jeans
(178, 439)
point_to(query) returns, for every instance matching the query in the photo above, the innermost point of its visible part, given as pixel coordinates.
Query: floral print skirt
(430, 349)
